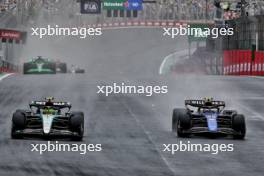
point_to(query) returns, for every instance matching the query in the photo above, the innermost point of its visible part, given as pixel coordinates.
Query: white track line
(258, 77)
(5, 76)
(179, 53)
(149, 137)
(163, 63)
(255, 114)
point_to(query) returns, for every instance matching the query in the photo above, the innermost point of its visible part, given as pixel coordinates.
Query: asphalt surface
(131, 128)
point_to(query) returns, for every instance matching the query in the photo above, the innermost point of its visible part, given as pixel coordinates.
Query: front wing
(201, 130)
(39, 132)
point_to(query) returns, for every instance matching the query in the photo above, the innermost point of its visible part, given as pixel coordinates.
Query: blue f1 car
(208, 118)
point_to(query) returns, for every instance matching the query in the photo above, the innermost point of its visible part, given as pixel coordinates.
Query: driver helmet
(48, 110)
(49, 101)
(208, 101)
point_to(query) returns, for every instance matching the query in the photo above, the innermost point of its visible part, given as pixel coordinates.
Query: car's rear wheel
(52, 66)
(23, 111)
(18, 123)
(26, 67)
(229, 112)
(62, 67)
(77, 125)
(174, 119)
(181, 121)
(239, 125)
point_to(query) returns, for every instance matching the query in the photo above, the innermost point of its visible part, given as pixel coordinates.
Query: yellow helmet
(208, 101)
(49, 99)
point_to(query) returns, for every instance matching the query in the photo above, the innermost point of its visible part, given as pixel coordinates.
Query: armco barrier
(148, 23)
(239, 62)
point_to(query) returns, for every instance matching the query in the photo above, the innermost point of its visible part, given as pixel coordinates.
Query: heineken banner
(122, 4)
(114, 4)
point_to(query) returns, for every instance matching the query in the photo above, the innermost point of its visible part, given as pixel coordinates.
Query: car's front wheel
(77, 125)
(181, 120)
(18, 123)
(239, 125)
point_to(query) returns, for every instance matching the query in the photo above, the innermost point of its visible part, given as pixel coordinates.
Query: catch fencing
(6, 67)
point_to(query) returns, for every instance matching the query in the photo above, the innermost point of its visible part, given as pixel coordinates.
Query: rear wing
(41, 104)
(203, 104)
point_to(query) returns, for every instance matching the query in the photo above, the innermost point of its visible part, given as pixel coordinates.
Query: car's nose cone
(47, 123)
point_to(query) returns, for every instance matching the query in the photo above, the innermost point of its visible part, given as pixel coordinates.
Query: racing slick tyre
(62, 67)
(239, 125)
(26, 67)
(77, 125)
(52, 66)
(181, 121)
(229, 112)
(175, 118)
(23, 111)
(18, 123)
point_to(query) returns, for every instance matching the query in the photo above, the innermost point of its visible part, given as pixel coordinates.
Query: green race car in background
(39, 66)
(42, 65)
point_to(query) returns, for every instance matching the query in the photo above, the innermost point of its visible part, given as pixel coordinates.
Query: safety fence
(6, 67)
(241, 62)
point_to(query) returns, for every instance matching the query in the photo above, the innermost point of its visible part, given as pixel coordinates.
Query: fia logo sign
(90, 6)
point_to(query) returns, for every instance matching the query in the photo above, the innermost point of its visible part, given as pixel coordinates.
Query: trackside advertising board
(199, 32)
(114, 4)
(90, 6)
(134, 5)
(122, 4)
(7, 35)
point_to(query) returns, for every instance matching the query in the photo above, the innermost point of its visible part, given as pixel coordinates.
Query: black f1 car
(46, 118)
(208, 118)
(76, 69)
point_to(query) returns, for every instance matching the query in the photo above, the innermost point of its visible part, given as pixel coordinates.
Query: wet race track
(131, 128)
